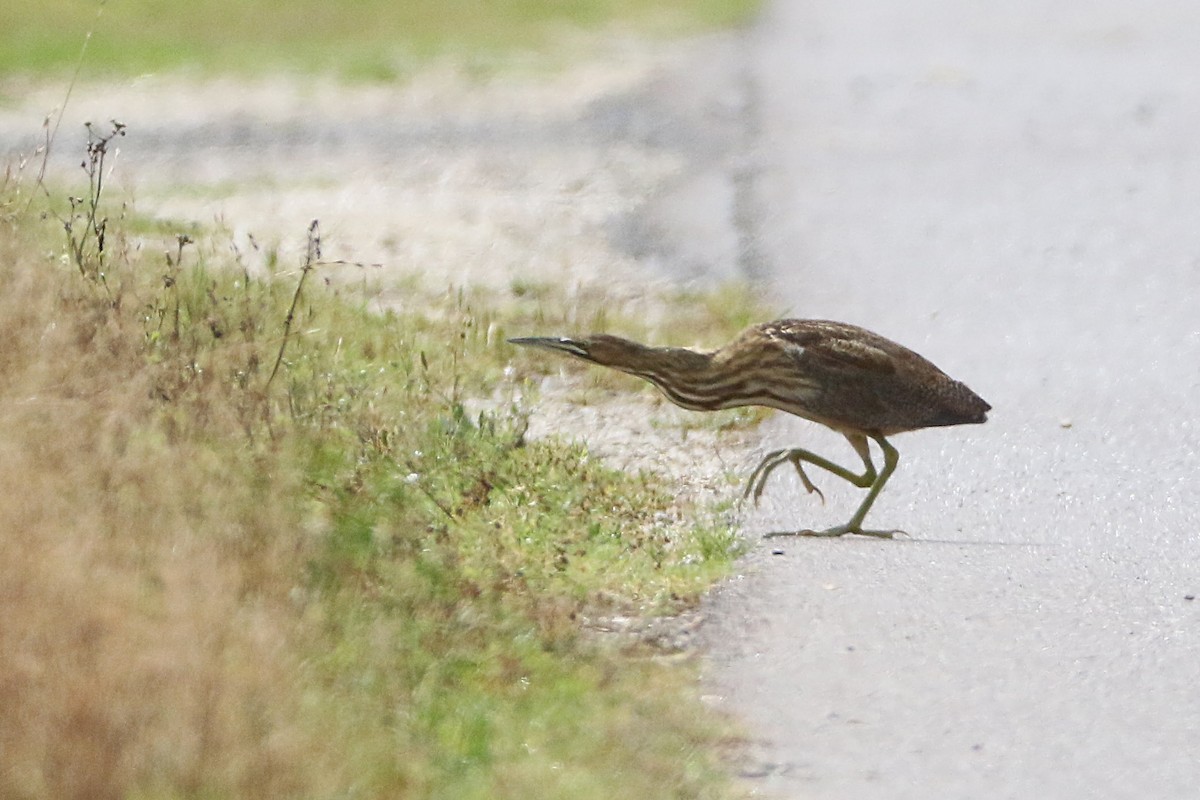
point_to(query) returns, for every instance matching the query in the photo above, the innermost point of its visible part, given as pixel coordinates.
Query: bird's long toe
(835, 531)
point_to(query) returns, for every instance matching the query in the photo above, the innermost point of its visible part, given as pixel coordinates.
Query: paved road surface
(1013, 189)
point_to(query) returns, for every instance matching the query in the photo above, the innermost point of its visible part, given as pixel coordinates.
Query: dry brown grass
(135, 645)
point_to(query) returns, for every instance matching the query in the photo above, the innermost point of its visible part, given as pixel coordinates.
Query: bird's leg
(891, 457)
(869, 479)
(758, 478)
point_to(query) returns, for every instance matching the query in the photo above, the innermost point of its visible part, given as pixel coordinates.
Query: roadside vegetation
(258, 539)
(255, 545)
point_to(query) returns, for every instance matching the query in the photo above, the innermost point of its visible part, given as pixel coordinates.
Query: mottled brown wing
(836, 345)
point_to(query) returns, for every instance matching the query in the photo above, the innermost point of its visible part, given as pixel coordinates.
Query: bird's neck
(686, 377)
(673, 363)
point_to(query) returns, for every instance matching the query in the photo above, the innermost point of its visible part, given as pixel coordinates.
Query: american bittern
(856, 382)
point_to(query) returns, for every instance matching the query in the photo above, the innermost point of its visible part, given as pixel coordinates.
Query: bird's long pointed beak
(560, 343)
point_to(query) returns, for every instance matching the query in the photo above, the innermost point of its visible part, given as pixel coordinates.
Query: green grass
(335, 582)
(371, 39)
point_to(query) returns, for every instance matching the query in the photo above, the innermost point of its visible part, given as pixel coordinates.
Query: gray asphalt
(1013, 190)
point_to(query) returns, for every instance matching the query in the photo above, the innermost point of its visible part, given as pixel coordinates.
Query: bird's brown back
(849, 378)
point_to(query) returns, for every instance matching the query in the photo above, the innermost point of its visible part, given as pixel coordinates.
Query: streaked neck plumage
(684, 376)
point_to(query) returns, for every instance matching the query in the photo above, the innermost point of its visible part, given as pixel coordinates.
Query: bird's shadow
(772, 537)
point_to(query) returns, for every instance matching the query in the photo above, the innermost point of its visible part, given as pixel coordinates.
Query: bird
(855, 382)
